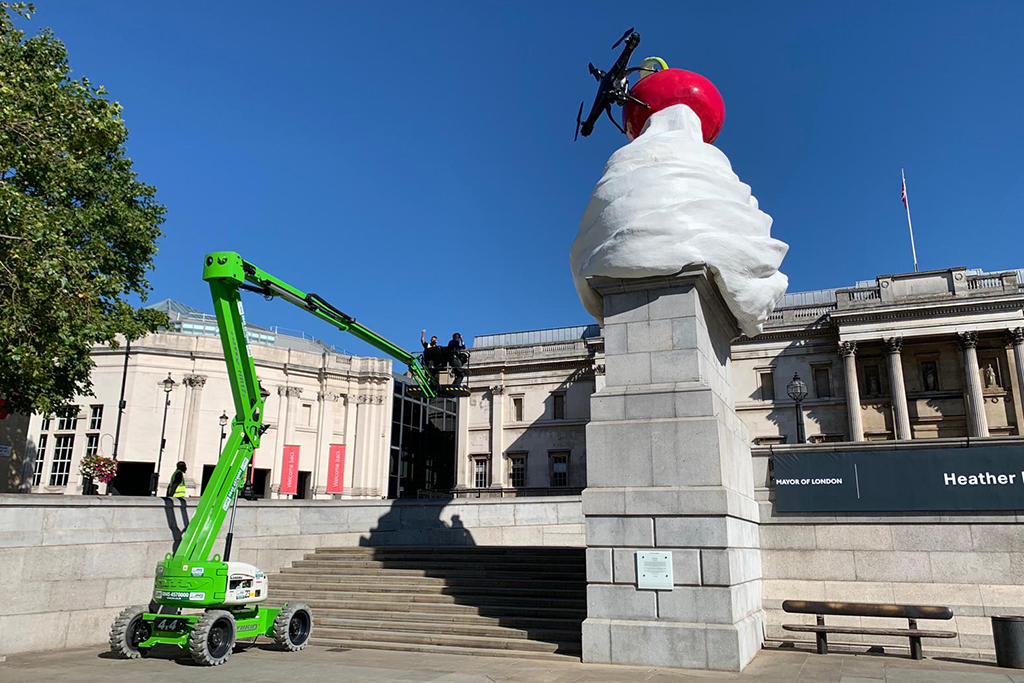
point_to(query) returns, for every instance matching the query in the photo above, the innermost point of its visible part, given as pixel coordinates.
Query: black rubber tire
(127, 631)
(293, 627)
(212, 638)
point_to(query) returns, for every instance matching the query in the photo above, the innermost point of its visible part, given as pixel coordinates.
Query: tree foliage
(78, 229)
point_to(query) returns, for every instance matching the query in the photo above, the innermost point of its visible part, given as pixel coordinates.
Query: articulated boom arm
(228, 274)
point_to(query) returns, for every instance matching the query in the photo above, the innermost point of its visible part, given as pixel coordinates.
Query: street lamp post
(154, 481)
(223, 423)
(247, 491)
(797, 391)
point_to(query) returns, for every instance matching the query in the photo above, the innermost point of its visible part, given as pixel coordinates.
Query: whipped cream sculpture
(668, 200)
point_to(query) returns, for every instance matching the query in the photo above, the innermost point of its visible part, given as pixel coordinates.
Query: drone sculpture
(613, 85)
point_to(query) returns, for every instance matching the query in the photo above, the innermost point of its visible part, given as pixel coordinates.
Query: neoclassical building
(907, 357)
(319, 399)
(912, 356)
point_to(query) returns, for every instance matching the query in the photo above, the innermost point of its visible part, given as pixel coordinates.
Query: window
(61, 467)
(307, 414)
(517, 408)
(558, 406)
(559, 469)
(481, 472)
(96, 417)
(930, 375)
(822, 382)
(92, 444)
(872, 380)
(68, 419)
(46, 424)
(767, 385)
(37, 466)
(517, 470)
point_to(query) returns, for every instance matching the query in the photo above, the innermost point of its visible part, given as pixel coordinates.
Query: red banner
(336, 469)
(290, 470)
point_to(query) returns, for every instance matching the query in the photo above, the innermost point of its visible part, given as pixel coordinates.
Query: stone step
(372, 623)
(492, 601)
(384, 577)
(493, 574)
(440, 649)
(462, 550)
(400, 606)
(445, 639)
(520, 558)
(577, 593)
(321, 562)
(473, 599)
(442, 620)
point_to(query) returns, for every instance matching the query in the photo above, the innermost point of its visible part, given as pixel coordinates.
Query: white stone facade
(522, 429)
(316, 399)
(896, 348)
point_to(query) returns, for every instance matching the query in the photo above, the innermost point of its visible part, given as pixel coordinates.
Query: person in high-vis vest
(176, 488)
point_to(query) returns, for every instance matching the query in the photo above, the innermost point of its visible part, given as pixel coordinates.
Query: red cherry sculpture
(664, 88)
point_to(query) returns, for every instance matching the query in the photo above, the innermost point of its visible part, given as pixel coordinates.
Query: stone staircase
(497, 601)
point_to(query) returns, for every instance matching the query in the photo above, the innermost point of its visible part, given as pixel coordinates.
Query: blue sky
(414, 164)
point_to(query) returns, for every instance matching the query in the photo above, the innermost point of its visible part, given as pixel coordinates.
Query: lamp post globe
(223, 419)
(797, 390)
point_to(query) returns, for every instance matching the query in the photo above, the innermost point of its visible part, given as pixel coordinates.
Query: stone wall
(972, 563)
(68, 564)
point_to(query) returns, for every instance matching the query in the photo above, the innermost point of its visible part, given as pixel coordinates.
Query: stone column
(1015, 339)
(497, 435)
(193, 400)
(898, 389)
(462, 444)
(324, 433)
(381, 429)
(350, 444)
(848, 350)
(668, 469)
(285, 434)
(975, 398)
(362, 458)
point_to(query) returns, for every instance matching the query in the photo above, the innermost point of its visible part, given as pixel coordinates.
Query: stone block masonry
(668, 468)
(69, 564)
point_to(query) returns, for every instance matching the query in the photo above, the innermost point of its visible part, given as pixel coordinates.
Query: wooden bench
(867, 609)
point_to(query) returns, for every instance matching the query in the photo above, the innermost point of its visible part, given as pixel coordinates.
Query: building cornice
(908, 310)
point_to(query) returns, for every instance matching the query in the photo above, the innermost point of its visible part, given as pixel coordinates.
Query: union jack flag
(904, 194)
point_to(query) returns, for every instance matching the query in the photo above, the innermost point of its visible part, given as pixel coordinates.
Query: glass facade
(422, 456)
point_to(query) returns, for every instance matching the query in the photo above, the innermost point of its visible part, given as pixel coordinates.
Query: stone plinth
(668, 468)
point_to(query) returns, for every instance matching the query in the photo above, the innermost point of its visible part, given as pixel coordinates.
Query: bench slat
(866, 609)
(899, 632)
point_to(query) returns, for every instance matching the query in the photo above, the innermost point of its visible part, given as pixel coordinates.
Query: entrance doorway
(133, 478)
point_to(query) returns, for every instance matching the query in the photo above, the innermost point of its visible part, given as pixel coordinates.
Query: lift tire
(212, 638)
(128, 630)
(293, 627)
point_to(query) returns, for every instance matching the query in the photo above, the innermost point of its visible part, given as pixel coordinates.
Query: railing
(812, 312)
(984, 282)
(862, 293)
(516, 493)
(497, 354)
(806, 315)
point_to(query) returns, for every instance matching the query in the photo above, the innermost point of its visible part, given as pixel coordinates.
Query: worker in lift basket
(176, 488)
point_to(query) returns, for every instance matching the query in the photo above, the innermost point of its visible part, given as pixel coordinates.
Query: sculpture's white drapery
(668, 200)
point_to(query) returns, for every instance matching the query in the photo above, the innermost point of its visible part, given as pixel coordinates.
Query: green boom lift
(228, 592)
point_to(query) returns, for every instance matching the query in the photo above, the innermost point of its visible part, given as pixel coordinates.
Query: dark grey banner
(940, 479)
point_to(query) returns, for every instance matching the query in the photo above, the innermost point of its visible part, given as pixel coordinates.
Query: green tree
(78, 229)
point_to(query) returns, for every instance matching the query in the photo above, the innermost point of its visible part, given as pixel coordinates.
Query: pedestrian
(459, 358)
(176, 487)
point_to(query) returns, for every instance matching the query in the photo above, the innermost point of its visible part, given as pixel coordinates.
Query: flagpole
(906, 203)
